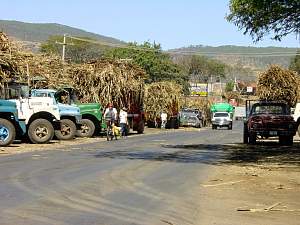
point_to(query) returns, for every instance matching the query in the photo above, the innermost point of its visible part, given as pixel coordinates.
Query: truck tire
(87, 128)
(252, 138)
(230, 126)
(67, 130)
(245, 135)
(7, 132)
(299, 129)
(286, 140)
(40, 131)
(141, 127)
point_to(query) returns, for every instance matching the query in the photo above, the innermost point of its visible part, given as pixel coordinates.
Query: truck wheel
(141, 127)
(245, 135)
(7, 132)
(40, 131)
(67, 130)
(230, 126)
(299, 130)
(252, 138)
(87, 128)
(286, 140)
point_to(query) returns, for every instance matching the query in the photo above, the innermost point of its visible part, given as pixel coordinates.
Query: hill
(40, 32)
(252, 57)
(244, 62)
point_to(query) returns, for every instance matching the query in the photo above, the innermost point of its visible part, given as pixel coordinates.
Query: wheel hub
(41, 131)
(4, 133)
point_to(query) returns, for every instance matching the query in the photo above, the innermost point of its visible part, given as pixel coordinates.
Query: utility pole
(64, 43)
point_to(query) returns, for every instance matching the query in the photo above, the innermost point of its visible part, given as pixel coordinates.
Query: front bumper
(222, 123)
(273, 133)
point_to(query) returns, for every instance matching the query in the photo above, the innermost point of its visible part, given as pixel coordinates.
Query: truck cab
(222, 114)
(41, 115)
(70, 117)
(268, 119)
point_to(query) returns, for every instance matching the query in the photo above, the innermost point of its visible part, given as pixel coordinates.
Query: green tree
(200, 68)
(262, 17)
(77, 51)
(158, 65)
(229, 86)
(295, 63)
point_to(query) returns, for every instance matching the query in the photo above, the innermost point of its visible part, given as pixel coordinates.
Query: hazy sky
(173, 23)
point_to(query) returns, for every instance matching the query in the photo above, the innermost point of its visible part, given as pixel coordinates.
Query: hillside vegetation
(256, 58)
(40, 32)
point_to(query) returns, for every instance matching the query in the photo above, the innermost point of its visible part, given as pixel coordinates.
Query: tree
(295, 63)
(262, 17)
(77, 51)
(200, 68)
(229, 86)
(158, 65)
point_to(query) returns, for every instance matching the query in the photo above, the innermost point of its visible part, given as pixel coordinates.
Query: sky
(172, 23)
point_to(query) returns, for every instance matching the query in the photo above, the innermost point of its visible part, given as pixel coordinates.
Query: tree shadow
(237, 153)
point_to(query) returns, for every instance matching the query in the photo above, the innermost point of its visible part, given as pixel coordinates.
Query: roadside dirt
(255, 186)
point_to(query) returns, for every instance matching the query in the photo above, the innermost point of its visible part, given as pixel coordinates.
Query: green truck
(222, 114)
(11, 127)
(91, 112)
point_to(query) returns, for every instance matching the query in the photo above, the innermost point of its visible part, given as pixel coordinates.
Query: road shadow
(237, 153)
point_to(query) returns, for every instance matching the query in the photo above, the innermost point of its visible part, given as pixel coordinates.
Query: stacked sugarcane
(278, 84)
(105, 81)
(162, 97)
(199, 103)
(4, 43)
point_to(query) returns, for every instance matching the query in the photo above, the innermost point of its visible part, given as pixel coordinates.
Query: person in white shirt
(164, 117)
(110, 115)
(123, 121)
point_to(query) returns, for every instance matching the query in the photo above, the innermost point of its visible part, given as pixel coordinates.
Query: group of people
(111, 118)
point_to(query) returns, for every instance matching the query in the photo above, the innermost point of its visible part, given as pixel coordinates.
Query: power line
(192, 52)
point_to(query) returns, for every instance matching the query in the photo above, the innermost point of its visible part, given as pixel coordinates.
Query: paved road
(148, 179)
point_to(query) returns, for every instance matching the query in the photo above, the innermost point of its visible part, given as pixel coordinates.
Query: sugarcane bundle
(4, 42)
(162, 97)
(280, 84)
(203, 104)
(21, 66)
(106, 81)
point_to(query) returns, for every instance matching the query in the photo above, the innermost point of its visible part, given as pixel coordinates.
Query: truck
(222, 114)
(265, 119)
(70, 117)
(11, 127)
(41, 115)
(92, 113)
(296, 116)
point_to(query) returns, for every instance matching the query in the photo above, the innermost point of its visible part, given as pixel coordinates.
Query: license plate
(273, 133)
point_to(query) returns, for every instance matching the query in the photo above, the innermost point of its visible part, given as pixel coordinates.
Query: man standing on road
(123, 121)
(163, 117)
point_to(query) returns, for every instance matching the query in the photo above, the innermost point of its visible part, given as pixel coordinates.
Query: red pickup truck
(266, 119)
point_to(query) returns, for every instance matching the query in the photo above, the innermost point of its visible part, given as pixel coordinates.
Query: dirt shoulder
(263, 191)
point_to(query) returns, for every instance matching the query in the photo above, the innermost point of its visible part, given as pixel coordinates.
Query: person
(163, 117)
(110, 115)
(123, 121)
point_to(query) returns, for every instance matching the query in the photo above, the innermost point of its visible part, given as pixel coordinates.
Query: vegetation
(295, 63)
(260, 18)
(77, 51)
(201, 68)
(158, 65)
(40, 32)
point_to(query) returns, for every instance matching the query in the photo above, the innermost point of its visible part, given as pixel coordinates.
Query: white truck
(296, 116)
(41, 115)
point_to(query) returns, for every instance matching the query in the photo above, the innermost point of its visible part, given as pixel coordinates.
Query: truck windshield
(221, 115)
(269, 109)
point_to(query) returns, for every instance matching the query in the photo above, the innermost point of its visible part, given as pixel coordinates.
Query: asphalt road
(147, 179)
